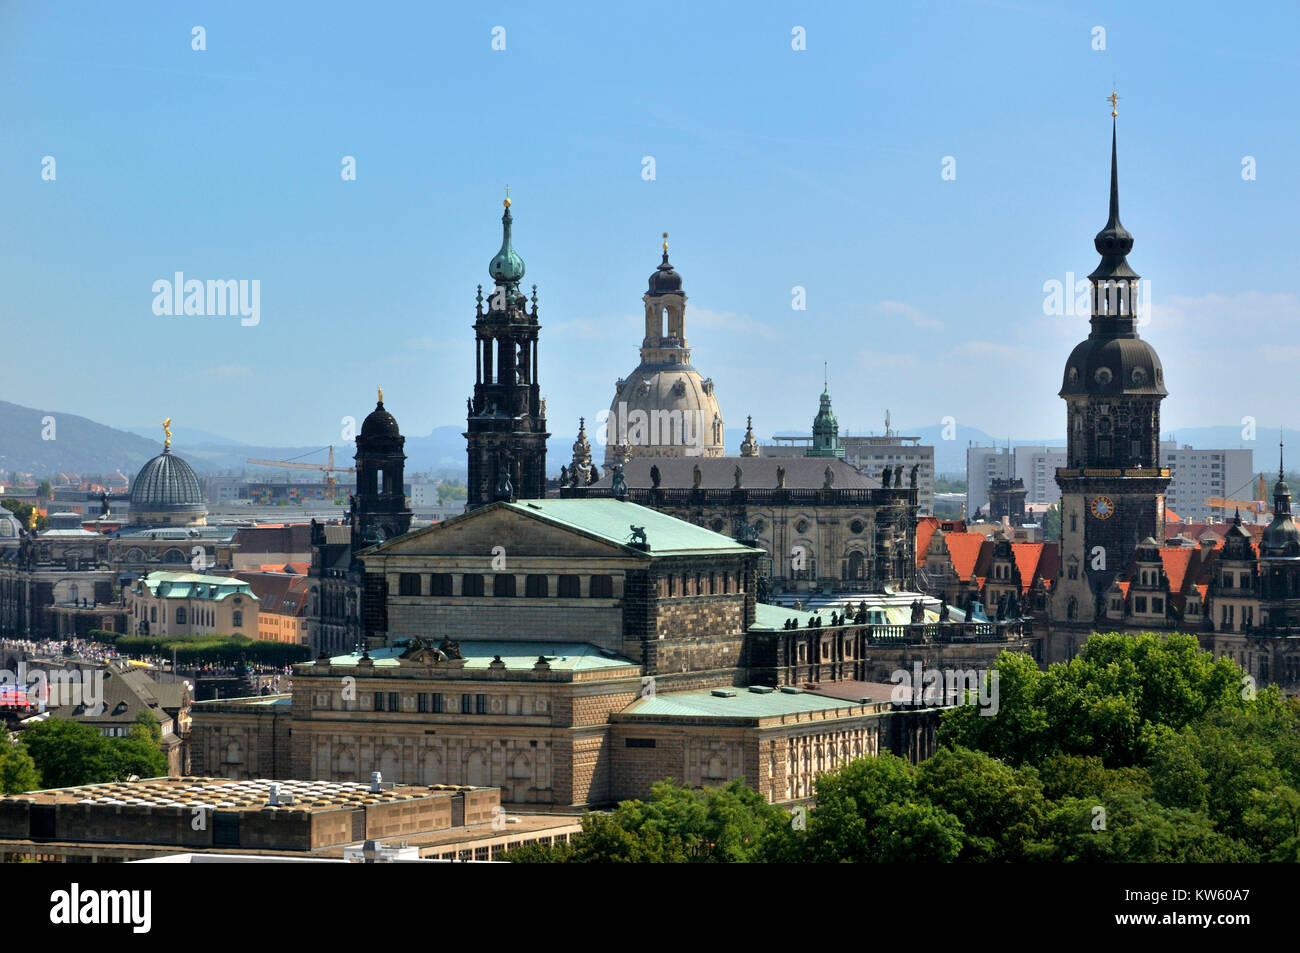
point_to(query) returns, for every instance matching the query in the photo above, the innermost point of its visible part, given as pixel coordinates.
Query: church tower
(379, 511)
(825, 429)
(1113, 488)
(506, 431)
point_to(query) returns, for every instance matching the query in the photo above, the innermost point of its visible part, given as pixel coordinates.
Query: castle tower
(506, 428)
(1112, 489)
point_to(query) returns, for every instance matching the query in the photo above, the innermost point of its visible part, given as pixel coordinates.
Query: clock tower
(1112, 488)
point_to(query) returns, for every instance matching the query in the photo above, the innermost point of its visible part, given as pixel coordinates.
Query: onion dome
(663, 280)
(506, 267)
(1281, 537)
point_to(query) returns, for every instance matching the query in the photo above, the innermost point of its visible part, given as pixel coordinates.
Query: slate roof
(293, 538)
(612, 520)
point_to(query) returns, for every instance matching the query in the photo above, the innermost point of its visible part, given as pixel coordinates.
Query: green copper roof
(506, 267)
(770, 618)
(745, 704)
(193, 585)
(613, 520)
(826, 431)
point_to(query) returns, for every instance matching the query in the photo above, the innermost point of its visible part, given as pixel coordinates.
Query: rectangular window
(640, 742)
(1157, 605)
(422, 702)
(602, 587)
(1140, 604)
(537, 586)
(467, 704)
(408, 584)
(570, 587)
(437, 703)
(440, 584)
(379, 701)
(503, 584)
(394, 703)
(471, 584)
(480, 704)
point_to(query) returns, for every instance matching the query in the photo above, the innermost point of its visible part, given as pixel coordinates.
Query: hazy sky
(774, 168)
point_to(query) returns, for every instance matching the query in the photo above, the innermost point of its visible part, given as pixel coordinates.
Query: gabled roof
(964, 551)
(607, 520)
(1176, 561)
(925, 528)
(1027, 557)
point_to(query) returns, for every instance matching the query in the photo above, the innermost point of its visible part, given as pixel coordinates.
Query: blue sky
(774, 168)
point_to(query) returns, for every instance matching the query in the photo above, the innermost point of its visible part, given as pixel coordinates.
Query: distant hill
(79, 445)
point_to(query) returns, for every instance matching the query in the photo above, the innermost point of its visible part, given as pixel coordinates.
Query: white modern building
(1196, 475)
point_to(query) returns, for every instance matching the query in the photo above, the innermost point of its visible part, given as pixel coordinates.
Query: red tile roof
(1123, 588)
(1027, 556)
(964, 550)
(1176, 560)
(925, 528)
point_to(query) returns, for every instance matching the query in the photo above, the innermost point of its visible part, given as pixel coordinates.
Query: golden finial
(166, 425)
(507, 201)
(665, 241)
(1113, 99)
(381, 395)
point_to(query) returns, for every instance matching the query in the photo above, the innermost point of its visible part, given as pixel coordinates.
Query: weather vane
(166, 425)
(1113, 99)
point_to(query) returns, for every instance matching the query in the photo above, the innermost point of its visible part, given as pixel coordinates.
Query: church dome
(506, 267)
(166, 491)
(380, 423)
(664, 412)
(10, 526)
(1106, 366)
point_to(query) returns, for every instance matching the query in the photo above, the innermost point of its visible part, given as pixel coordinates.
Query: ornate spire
(581, 447)
(826, 431)
(166, 425)
(749, 448)
(506, 267)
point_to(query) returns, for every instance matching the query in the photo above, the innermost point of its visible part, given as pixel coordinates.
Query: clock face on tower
(1103, 508)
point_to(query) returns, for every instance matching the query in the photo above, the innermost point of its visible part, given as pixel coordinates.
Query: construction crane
(1259, 506)
(328, 467)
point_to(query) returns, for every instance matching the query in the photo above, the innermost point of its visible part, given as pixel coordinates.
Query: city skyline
(763, 187)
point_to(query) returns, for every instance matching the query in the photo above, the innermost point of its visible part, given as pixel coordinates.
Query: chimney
(273, 796)
(375, 778)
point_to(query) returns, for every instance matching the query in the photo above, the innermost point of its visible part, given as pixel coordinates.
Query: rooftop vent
(761, 689)
(724, 693)
(792, 689)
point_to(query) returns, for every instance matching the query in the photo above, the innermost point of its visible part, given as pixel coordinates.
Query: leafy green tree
(1019, 731)
(867, 812)
(67, 753)
(1129, 828)
(18, 772)
(138, 753)
(1001, 809)
(677, 824)
(1052, 523)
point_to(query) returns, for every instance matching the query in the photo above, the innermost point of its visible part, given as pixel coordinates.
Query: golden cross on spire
(1113, 99)
(665, 241)
(507, 202)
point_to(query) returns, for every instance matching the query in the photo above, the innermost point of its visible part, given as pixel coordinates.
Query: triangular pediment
(520, 533)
